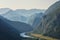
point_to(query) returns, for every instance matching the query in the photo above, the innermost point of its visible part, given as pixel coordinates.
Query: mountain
(37, 19)
(7, 32)
(20, 26)
(4, 10)
(22, 15)
(31, 11)
(50, 23)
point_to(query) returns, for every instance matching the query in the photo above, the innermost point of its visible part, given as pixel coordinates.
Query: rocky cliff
(50, 23)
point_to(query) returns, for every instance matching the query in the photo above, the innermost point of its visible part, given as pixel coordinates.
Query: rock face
(37, 20)
(50, 23)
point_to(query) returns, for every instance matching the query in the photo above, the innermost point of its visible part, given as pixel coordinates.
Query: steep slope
(37, 19)
(20, 26)
(50, 23)
(7, 32)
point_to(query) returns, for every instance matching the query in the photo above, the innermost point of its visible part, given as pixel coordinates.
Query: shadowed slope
(7, 32)
(20, 26)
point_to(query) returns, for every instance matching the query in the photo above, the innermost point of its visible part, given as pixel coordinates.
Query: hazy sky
(26, 4)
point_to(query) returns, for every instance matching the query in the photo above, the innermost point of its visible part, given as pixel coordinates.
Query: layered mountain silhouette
(50, 23)
(8, 32)
(21, 27)
(22, 15)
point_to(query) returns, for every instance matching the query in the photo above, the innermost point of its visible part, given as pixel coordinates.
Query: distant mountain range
(22, 15)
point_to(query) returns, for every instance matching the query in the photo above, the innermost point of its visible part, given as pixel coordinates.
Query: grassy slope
(42, 37)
